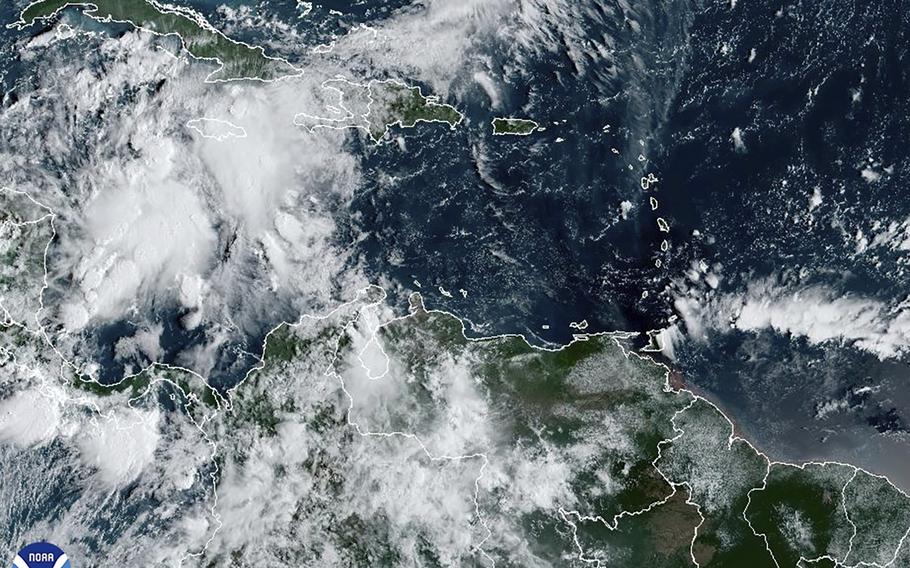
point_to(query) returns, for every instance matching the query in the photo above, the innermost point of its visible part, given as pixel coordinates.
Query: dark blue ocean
(531, 227)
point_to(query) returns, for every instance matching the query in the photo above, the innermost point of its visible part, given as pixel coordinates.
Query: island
(201, 40)
(376, 107)
(395, 103)
(513, 126)
(216, 128)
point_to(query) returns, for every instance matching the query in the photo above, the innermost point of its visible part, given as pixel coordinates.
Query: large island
(236, 60)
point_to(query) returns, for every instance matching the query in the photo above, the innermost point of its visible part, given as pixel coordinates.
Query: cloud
(120, 446)
(146, 342)
(433, 43)
(231, 233)
(141, 231)
(28, 417)
(818, 313)
(126, 469)
(232, 229)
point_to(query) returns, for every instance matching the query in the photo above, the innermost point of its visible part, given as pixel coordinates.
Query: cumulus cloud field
(202, 202)
(186, 219)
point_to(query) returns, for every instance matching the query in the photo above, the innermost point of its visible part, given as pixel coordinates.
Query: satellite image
(455, 283)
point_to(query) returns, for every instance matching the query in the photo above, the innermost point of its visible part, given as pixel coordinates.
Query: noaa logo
(41, 555)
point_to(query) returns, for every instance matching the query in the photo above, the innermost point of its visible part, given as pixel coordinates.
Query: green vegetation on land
(720, 475)
(201, 40)
(558, 397)
(395, 103)
(801, 513)
(659, 537)
(647, 476)
(194, 393)
(282, 345)
(513, 126)
(258, 409)
(135, 384)
(881, 515)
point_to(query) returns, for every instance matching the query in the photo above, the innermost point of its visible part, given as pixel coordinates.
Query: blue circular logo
(41, 555)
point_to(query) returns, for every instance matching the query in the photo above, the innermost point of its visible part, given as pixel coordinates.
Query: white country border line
(654, 346)
(80, 370)
(535, 128)
(416, 305)
(89, 8)
(431, 100)
(580, 337)
(47, 217)
(843, 500)
(362, 121)
(86, 401)
(333, 123)
(732, 437)
(843, 505)
(853, 537)
(856, 469)
(228, 401)
(769, 462)
(222, 402)
(234, 131)
(477, 548)
(613, 524)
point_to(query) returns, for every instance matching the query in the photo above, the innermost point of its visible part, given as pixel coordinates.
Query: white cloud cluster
(28, 418)
(404, 474)
(140, 231)
(25, 230)
(145, 343)
(452, 415)
(173, 192)
(234, 225)
(434, 43)
(120, 446)
(817, 313)
(207, 197)
(78, 469)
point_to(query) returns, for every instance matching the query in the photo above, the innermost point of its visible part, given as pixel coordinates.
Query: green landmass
(262, 403)
(135, 384)
(551, 403)
(720, 475)
(284, 344)
(513, 126)
(394, 104)
(258, 410)
(378, 106)
(881, 515)
(801, 512)
(662, 481)
(25, 230)
(195, 395)
(658, 537)
(201, 40)
(407, 443)
(903, 555)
